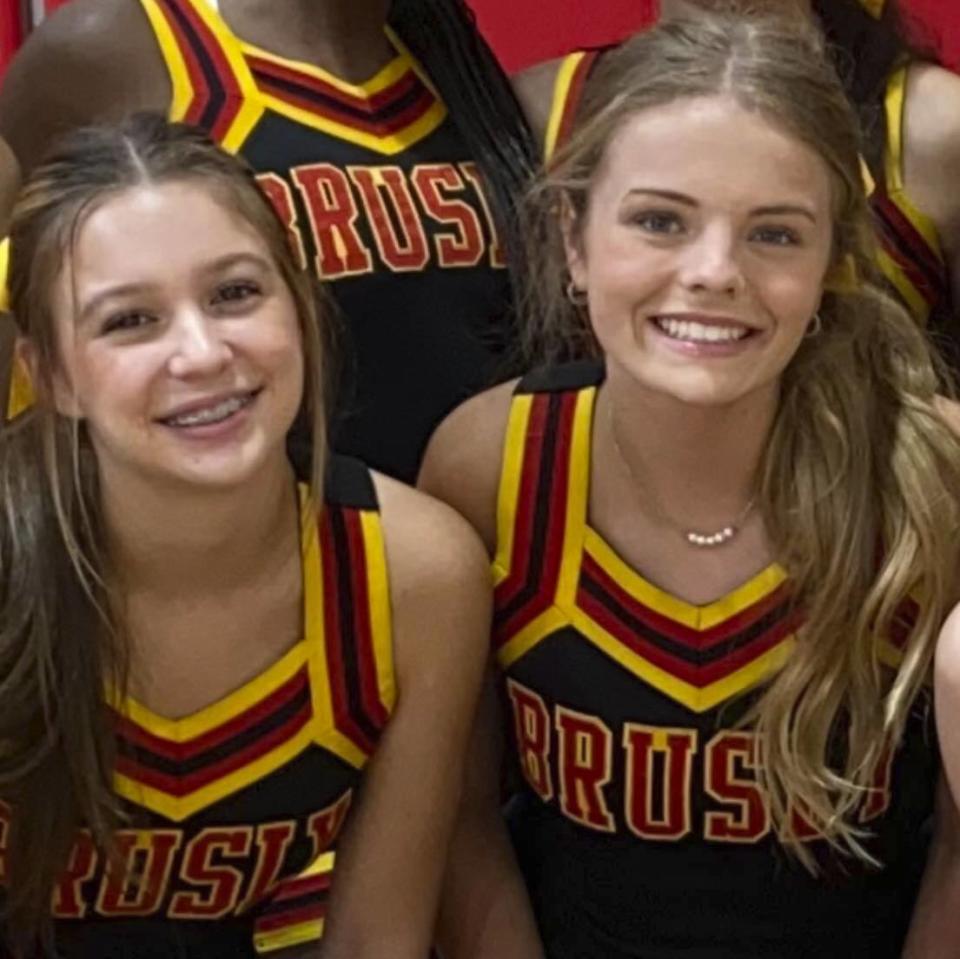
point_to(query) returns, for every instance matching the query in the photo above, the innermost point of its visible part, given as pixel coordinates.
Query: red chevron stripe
(574, 93)
(556, 523)
(201, 90)
(180, 786)
(678, 632)
(373, 104)
(334, 639)
(302, 886)
(697, 676)
(366, 655)
(526, 505)
(293, 917)
(175, 751)
(212, 48)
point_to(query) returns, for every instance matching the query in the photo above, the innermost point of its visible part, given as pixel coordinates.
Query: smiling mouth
(690, 331)
(216, 413)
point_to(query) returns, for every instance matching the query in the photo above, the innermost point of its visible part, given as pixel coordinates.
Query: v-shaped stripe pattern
(383, 113)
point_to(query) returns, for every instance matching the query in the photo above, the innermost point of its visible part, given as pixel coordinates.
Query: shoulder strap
(541, 504)
(211, 83)
(567, 90)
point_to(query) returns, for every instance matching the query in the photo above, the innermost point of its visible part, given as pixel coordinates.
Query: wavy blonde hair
(859, 482)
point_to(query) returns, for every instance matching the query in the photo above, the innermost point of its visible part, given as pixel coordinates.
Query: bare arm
(932, 160)
(391, 861)
(92, 60)
(935, 929)
(485, 912)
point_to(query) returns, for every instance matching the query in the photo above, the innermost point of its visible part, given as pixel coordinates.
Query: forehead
(711, 148)
(156, 231)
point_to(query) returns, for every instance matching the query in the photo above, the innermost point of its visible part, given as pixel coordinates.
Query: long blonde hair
(60, 643)
(860, 480)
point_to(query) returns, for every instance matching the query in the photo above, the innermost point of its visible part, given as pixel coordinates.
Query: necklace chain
(694, 537)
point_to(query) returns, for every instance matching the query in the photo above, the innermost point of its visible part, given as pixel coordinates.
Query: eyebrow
(131, 289)
(779, 209)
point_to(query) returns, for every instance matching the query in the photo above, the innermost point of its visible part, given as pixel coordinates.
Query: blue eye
(132, 320)
(662, 222)
(776, 236)
(235, 292)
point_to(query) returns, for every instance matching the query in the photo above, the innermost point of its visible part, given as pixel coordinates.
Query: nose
(711, 264)
(198, 345)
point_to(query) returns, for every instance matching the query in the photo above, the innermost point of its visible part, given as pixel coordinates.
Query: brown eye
(236, 292)
(131, 320)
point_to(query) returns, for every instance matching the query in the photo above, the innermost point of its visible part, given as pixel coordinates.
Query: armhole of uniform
(567, 89)
(181, 87)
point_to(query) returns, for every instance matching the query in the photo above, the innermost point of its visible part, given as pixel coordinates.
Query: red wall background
(526, 31)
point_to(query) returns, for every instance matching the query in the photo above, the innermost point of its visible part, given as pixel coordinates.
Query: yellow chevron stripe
(700, 618)
(181, 85)
(696, 699)
(378, 595)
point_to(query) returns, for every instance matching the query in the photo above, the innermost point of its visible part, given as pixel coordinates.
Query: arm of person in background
(935, 929)
(932, 161)
(485, 911)
(391, 861)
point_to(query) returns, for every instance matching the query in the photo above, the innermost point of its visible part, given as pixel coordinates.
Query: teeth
(694, 332)
(212, 414)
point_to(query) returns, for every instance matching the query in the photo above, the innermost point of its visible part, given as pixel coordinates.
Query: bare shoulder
(463, 459)
(431, 549)
(932, 142)
(947, 667)
(534, 88)
(92, 60)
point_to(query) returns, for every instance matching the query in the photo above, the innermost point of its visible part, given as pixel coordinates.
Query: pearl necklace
(698, 538)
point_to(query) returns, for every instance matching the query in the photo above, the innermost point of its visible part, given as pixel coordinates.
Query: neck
(699, 462)
(343, 37)
(178, 540)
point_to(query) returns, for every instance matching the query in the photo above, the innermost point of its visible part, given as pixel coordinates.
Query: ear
(571, 228)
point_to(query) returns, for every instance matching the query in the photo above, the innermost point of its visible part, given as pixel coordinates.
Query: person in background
(387, 137)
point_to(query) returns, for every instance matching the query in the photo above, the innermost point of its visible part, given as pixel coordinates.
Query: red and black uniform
(641, 827)
(234, 810)
(381, 198)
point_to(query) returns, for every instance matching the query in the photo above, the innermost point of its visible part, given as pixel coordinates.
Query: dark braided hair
(443, 36)
(867, 49)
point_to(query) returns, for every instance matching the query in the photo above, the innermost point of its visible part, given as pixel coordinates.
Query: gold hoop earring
(816, 325)
(576, 297)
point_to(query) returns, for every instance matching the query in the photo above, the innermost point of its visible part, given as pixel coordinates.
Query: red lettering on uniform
(281, 196)
(531, 722)
(465, 246)
(659, 772)
(730, 765)
(584, 767)
(68, 903)
(497, 258)
(333, 214)
(221, 883)
(272, 842)
(137, 885)
(877, 801)
(400, 238)
(324, 826)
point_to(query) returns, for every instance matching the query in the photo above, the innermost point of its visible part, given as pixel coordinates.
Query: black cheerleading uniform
(641, 828)
(381, 198)
(233, 810)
